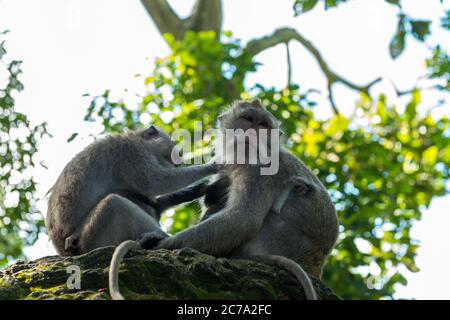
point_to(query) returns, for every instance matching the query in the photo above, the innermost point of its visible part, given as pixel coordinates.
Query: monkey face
(245, 115)
(158, 139)
(248, 125)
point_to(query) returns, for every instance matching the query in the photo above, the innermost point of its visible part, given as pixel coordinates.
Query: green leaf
(394, 2)
(397, 45)
(170, 39)
(420, 29)
(398, 41)
(411, 108)
(302, 6)
(227, 33)
(72, 137)
(333, 3)
(446, 154)
(430, 155)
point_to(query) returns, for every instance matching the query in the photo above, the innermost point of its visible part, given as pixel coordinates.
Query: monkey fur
(108, 192)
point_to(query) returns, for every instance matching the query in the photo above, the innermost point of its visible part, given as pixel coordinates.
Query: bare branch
(289, 64)
(331, 98)
(416, 87)
(284, 35)
(166, 20)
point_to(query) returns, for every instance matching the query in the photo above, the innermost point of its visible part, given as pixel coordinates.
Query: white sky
(74, 47)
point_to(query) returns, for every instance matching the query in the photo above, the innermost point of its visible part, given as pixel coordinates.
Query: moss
(23, 276)
(160, 274)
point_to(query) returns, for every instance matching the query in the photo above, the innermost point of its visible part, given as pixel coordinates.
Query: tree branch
(206, 15)
(289, 64)
(166, 20)
(284, 35)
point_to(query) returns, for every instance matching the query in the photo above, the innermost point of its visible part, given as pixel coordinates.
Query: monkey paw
(150, 240)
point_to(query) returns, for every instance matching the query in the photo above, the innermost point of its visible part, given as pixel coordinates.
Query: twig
(289, 64)
(284, 35)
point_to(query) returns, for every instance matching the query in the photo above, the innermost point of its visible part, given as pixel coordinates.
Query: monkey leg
(113, 220)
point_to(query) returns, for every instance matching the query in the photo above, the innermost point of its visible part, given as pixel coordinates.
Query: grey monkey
(108, 192)
(239, 221)
(243, 222)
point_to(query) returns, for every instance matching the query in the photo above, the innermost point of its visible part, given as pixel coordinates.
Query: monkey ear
(150, 132)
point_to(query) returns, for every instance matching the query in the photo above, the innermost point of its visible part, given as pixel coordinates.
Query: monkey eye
(302, 188)
(248, 118)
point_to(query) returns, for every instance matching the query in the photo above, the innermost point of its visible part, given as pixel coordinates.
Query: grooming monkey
(239, 222)
(107, 193)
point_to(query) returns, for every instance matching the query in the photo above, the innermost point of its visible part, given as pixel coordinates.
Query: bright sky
(74, 47)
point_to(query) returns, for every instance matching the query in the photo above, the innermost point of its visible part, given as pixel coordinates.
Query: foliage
(382, 166)
(302, 6)
(439, 67)
(20, 223)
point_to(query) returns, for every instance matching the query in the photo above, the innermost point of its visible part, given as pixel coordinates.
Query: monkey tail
(116, 259)
(294, 268)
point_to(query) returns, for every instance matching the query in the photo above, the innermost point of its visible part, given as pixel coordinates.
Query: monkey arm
(176, 178)
(185, 195)
(217, 235)
(159, 180)
(239, 221)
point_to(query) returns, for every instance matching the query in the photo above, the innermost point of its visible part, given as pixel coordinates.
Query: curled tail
(291, 266)
(116, 259)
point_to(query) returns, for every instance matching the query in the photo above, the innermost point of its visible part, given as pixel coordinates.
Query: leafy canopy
(20, 223)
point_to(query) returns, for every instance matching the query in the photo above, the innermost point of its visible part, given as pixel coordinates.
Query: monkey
(108, 192)
(276, 218)
(307, 221)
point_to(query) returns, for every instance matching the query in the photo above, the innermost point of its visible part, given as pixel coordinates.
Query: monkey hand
(150, 240)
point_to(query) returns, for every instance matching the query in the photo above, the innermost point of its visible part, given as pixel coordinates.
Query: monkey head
(247, 115)
(160, 141)
(248, 125)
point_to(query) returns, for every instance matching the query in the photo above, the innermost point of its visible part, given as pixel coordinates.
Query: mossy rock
(159, 274)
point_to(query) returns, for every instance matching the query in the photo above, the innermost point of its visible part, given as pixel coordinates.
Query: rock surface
(161, 274)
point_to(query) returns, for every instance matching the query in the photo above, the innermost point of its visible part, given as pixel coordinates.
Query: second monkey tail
(116, 259)
(291, 266)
